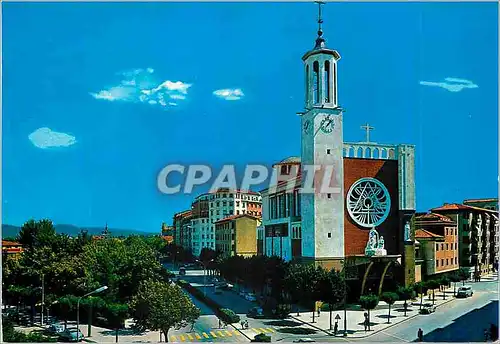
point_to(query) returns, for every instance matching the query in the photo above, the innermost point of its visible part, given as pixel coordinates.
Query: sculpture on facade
(375, 245)
(407, 231)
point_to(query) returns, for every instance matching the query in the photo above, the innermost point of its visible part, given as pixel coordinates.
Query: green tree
(389, 298)
(369, 302)
(294, 284)
(421, 288)
(331, 289)
(433, 284)
(405, 294)
(116, 314)
(36, 233)
(162, 306)
(463, 274)
(454, 278)
(445, 282)
(67, 305)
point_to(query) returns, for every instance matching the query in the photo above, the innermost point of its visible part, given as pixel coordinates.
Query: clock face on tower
(327, 125)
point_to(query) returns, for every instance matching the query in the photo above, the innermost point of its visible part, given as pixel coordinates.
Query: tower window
(327, 151)
(316, 82)
(329, 195)
(326, 81)
(335, 83)
(329, 235)
(308, 84)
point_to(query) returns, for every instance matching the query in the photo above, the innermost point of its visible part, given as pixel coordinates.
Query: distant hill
(12, 231)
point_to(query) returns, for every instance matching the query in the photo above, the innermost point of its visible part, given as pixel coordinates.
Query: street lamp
(204, 275)
(345, 298)
(78, 308)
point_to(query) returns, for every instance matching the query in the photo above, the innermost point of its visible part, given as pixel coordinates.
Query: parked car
(304, 340)
(70, 335)
(250, 297)
(465, 291)
(55, 329)
(242, 293)
(428, 309)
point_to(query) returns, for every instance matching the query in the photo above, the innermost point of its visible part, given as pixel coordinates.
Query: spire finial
(320, 41)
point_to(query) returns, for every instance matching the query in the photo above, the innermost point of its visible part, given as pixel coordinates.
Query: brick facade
(385, 171)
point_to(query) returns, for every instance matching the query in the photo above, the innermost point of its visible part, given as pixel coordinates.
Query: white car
(464, 291)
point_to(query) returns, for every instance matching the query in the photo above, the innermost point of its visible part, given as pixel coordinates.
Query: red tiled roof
(424, 234)
(232, 217)
(434, 216)
(456, 206)
(6, 243)
(481, 200)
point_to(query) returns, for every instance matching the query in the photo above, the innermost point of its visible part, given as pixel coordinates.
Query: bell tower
(322, 215)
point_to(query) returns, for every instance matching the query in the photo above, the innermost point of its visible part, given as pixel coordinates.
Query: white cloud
(140, 86)
(47, 138)
(229, 94)
(451, 84)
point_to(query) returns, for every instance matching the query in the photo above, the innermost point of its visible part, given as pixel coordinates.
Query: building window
(316, 82)
(442, 247)
(329, 235)
(446, 231)
(455, 246)
(327, 151)
(329, 195)
(447, 246)
(437, 247)
(327, 82)
(437, 263)
(447, 261)
(455, 260)
(442, 262)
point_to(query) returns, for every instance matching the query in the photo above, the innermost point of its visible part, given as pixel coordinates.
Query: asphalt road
(461, 320)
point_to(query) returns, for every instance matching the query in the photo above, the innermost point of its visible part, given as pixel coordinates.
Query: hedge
(226, 315)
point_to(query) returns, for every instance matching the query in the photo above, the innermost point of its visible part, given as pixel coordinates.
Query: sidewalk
(378, 316)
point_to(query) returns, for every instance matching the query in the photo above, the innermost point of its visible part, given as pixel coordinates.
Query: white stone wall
(406, 177)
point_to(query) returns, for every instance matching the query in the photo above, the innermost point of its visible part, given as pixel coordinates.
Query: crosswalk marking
(193, 336)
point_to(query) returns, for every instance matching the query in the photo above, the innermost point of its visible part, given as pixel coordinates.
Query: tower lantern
(321, 71)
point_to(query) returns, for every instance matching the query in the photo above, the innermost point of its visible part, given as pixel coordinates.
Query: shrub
(228, 316)
(261, 338)
(283, 310)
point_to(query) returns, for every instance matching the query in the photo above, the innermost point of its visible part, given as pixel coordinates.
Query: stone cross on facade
(367, 127)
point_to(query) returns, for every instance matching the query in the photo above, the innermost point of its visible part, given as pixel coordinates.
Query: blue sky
(73, 75)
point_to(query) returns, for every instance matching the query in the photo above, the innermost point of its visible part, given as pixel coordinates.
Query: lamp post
(204, 275)
(345, 299)
(78, 308)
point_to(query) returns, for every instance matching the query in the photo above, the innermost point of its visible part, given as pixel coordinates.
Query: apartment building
(478, 233)
(437, 241)
(209, 208)
(236, 235)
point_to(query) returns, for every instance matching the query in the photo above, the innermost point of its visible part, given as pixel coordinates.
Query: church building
(366, 222)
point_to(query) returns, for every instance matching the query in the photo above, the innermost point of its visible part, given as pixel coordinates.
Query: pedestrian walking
(242, 324)
(336, 328)
(319, 311)
(246, 324)
(420, 335)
